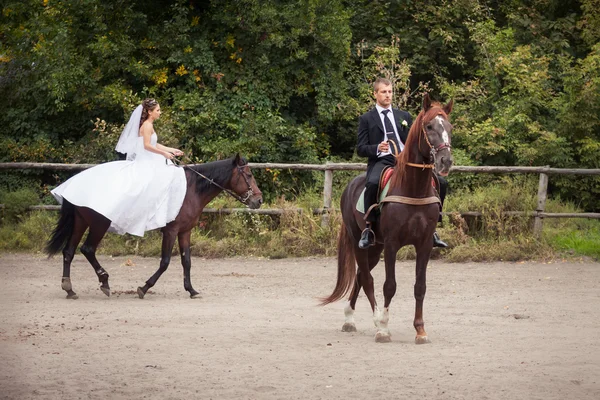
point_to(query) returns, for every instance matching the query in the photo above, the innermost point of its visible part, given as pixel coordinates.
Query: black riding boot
(367, 237)
(437, 242)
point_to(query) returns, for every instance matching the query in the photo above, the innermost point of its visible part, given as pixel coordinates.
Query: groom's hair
(381, 81)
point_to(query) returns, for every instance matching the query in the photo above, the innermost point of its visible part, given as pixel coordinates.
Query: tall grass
(573, 237)
(493, 236)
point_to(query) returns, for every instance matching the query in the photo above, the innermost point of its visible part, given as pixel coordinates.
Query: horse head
(437, 131)
(243, 184)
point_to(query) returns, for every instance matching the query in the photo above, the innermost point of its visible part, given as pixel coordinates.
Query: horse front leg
(382, 317)
(186, 262)
(423, 255)
(165, 258)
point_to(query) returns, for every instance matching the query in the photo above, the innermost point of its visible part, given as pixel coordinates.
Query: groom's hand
(383, 147)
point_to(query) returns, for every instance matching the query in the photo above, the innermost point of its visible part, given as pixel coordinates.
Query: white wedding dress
(136, 196)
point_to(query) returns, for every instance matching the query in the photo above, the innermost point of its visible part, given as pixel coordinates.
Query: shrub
(16, 203)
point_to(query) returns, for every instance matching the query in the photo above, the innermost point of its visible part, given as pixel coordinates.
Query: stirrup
(368, 231)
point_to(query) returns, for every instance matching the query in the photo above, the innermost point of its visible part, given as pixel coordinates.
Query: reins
(241, 199)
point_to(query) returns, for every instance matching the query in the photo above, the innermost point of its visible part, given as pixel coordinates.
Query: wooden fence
(539, 214)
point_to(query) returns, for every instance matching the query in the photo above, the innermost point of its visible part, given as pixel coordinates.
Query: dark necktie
(389, 132)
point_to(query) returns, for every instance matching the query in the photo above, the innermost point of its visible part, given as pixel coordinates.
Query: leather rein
(240, 168)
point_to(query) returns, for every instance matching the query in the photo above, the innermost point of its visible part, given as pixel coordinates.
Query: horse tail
(63, 230)
(346, 276)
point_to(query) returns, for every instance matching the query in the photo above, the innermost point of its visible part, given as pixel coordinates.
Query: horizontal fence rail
(539, 214)
(335, 167)
(319, 211)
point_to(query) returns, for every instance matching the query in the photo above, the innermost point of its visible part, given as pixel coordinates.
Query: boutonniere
(404, 123)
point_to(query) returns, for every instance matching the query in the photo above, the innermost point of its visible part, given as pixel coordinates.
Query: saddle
(384, 186)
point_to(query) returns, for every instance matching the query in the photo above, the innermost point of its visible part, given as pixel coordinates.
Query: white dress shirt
(393, 120)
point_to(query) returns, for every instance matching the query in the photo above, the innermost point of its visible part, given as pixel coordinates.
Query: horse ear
(426, 102)
(236, 159)
(448, 107)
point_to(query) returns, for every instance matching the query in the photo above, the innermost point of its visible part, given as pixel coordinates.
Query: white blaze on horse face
(445, 137)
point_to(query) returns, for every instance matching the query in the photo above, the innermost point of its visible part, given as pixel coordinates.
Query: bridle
(432, 150)
(419, 201)
(240, 168)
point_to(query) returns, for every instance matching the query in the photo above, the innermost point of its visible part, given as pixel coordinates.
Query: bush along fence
(328, 168)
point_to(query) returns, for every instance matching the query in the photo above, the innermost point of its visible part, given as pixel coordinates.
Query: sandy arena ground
(498, 331)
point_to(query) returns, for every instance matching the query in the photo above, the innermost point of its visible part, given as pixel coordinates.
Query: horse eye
(429, 126)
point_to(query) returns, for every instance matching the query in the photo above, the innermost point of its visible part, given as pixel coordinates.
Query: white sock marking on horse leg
(376, 316)
(381, 319)
(349, 314)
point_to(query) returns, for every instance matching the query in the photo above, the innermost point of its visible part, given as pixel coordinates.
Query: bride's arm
(175, 151)
(146, 132)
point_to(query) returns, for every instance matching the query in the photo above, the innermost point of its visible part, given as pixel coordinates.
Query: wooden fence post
(541, 204)
(327, 191)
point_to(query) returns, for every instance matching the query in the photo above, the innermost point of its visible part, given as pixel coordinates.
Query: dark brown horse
(204, 183)
(408, 217)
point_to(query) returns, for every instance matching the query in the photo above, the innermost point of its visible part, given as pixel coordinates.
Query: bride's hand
(169, 156)
(178, 152)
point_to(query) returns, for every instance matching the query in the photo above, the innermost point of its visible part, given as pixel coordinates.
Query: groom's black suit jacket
(371, 133)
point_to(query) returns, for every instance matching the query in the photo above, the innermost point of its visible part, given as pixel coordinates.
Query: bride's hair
(147, 106)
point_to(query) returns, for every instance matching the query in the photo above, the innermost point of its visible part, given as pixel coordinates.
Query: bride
(142, 193)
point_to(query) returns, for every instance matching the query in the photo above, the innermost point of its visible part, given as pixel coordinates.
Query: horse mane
(413, 135)
(219, 171)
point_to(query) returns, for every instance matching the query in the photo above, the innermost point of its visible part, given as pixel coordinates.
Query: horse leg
(97, 231)
(186, 262)
(165, 258)
(420, 287)
(382, 317)
(79, 228)
(373, 258)
(349, 324)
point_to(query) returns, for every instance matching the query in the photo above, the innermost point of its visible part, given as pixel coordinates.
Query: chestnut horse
(204, 183)
(408, 217)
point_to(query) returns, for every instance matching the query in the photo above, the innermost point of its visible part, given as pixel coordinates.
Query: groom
(382, 133)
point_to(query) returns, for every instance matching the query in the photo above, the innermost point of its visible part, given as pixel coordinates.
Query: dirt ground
(498, 331)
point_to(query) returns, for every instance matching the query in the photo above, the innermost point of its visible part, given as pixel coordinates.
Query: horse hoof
(349, 327)
(140, 293)
(422, 340)
(381, 337)
(72, 296)
(106, 291)
(195, 296)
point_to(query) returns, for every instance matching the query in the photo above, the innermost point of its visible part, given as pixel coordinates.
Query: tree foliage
(284, 81)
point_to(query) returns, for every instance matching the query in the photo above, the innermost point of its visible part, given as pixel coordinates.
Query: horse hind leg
(349, 324)
(373, 259)
(88, 249)
(79, 228)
